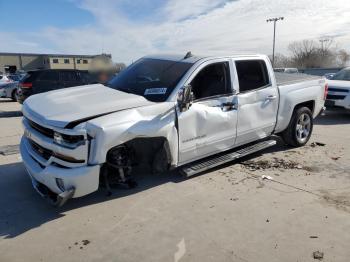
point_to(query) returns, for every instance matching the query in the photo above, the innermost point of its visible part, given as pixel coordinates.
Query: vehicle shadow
(22, 209)
(333, 117)
(6, 114)
(6, 100)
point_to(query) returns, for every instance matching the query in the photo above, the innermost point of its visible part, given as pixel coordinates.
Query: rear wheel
(300, 127)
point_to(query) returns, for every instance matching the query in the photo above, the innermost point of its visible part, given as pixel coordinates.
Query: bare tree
(120, 67)
(303, 53)
(281, 61)
(342, 58)
(309, 53)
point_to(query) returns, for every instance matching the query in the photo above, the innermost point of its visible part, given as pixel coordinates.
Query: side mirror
(184, 98)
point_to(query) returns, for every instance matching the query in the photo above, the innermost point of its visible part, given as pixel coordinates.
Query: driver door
(209, 124)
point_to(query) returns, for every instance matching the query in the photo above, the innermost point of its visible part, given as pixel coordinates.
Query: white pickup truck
(163, 112)
(339, 89)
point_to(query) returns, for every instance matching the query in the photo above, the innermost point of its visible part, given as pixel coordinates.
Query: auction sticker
(155, 91)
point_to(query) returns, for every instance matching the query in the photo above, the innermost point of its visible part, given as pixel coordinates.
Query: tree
(342, 58)
(309, 53)
(281, 60)
(120, 66)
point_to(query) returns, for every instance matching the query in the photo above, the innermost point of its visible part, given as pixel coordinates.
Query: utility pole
(274, 20)
(325, 43)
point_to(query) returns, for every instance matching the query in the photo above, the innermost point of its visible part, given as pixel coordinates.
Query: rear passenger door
(257, 101)
(70, 78)
(48, 80)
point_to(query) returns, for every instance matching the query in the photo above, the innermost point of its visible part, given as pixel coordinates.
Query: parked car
(9, 89)
(4, 79)
(40, 81)
(329, 75)
(339, 89)
(163, 112)
(287, 70)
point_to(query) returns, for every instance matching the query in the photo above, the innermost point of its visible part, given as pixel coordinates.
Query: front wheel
(300, 128)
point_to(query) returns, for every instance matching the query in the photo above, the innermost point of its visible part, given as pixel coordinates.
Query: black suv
(40, 81)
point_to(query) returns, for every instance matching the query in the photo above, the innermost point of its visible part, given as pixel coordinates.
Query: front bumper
(74, 182)
(338, 99)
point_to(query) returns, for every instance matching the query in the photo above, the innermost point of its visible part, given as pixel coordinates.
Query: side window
(68, 76)
(49, 76)
(252, 74)
(55, 61)
(212, 80)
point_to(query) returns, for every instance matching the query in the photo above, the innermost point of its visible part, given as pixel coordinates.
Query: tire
(300, 127)
(14, 96)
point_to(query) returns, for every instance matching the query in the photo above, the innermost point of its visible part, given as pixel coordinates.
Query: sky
(131, 29)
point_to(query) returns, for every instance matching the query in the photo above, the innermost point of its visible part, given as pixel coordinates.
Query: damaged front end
(54, 199)
(117, 169)
(152, 154)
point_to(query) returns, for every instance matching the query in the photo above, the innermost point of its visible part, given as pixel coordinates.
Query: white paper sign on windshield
(155, 91)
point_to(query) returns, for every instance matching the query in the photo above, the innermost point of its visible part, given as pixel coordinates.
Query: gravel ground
(299, 212)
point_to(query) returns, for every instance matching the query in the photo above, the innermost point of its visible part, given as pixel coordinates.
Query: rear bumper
(56, 183)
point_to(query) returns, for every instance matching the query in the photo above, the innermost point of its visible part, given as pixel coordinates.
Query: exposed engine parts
(117, 170)
(150, 153)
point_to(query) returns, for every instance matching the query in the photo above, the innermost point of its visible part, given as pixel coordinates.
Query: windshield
(342, 75)
(153, 79)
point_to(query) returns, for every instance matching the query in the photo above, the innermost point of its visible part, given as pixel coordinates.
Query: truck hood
(62, 107)
(339, 83)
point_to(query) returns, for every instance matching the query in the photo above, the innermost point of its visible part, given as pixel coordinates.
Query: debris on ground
(275, 163)
(318, 255)
(267, 177)
(9, 150)
(85, 242)
(335, 158)
(313, 236)
(314, 144)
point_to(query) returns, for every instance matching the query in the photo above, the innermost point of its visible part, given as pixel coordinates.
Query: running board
(208, 163)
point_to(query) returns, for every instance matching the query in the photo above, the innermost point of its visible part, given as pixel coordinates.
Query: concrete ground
(228, 214)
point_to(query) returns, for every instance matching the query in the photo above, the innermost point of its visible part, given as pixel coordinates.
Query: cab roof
(194, 58)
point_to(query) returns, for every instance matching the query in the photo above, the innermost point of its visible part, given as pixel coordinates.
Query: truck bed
(286, 79)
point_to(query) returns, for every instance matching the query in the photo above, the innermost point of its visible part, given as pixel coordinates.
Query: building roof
(53, 55)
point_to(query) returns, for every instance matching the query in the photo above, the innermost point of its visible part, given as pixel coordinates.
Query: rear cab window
(252, 75)
(49, 76)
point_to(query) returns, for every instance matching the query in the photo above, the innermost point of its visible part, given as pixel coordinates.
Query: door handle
(229, 106)
(271, 97)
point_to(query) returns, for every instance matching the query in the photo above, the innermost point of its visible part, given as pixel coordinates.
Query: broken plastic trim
(54, 199)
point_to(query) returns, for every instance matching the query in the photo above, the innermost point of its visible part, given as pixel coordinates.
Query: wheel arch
(147, 151)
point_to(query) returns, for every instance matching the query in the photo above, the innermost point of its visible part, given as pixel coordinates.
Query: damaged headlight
(70, 141)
